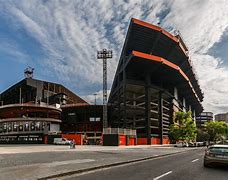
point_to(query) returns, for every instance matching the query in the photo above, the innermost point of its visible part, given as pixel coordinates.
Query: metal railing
(129, 132)
(30, 105)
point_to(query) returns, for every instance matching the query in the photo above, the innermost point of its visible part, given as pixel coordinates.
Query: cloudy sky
(60, 38)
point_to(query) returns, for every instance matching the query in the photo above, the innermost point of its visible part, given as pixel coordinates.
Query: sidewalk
(46, 161)
(13, 149)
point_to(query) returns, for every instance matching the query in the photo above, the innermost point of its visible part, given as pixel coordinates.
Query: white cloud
(202, 24)
(70, 33)
(96, 95)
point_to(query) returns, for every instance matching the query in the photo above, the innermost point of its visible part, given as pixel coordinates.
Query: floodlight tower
(28, 72)
(104, 54)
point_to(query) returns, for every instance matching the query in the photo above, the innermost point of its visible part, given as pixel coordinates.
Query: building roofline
(25, 79)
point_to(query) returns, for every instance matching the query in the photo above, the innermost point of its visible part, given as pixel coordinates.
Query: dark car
(216, 154)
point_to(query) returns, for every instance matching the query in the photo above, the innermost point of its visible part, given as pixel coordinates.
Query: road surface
(186, 166)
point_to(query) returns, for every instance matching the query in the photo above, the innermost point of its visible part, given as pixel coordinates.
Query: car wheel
(206, 165)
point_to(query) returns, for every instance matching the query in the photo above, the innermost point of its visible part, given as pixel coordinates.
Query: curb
(108, 165)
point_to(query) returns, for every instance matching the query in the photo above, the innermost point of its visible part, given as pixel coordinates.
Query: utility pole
(104, 54)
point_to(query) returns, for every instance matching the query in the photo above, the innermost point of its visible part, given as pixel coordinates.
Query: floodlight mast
(104, 54)
(28, 72)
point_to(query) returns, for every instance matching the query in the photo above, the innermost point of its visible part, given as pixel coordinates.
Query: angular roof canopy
(151, 39)
(150, 48)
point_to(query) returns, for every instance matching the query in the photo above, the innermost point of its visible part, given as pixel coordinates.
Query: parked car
(192, 144)
(199, 144)
(181, 144)
(61, 141)
(216, 154)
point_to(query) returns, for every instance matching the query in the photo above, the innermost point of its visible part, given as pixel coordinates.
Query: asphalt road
(39, 161)
(186, 166)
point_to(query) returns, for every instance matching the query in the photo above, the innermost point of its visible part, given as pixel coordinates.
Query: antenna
(28, 72)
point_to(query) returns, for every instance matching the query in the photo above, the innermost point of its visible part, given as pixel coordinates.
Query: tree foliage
(202, 135)
(184, 128)
(217, 130)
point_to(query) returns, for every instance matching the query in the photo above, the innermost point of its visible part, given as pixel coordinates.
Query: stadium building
(154, 79)
(32, 109)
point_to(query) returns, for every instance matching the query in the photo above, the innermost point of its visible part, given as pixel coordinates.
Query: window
(93, 119)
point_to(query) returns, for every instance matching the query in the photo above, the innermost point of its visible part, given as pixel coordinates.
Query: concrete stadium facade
(154, 79)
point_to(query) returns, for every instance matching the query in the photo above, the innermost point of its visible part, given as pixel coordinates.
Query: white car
(216, 154)
(181, 144)
(61, 141)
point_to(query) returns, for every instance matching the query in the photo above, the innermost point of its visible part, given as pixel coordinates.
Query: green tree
(217, 130)
(202, 135)
(184, 128)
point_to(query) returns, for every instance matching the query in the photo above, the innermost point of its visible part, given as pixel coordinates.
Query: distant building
(222, 117)
(203, 118)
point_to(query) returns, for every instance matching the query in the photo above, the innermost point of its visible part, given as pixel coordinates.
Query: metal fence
(129, 132)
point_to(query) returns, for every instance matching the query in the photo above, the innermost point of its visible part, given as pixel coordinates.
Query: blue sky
(60, 38)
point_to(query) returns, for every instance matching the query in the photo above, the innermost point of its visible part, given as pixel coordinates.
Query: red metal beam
(156, 28)
(167, 63)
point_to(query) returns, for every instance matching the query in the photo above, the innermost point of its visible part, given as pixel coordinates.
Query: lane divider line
(195, 160)
(165, 174)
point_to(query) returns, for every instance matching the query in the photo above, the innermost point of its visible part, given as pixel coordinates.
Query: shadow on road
(218, 168)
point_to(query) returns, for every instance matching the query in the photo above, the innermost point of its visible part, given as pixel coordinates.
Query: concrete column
(184, 105)
(147, 109)
(190, 108)
(194, 114)
(175, 93)
(160, 112)
(134, 105)
(124, 98)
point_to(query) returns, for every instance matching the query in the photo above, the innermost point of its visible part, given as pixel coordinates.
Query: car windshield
(219, 149)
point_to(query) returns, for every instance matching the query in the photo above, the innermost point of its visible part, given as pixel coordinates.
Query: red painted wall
(141, 141)
(77, 138)
(155, 140)
(46, 139)
(166, 140)
(122, 140)
(132, 141)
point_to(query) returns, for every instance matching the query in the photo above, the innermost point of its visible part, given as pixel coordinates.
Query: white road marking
(156, 178)
(195, 160)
